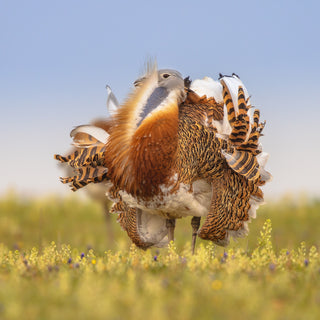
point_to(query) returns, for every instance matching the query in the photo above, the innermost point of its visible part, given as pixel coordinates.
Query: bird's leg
(170, 224)
(195, 223)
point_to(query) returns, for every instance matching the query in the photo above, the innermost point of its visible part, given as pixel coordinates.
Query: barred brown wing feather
(84, 176)
(244, 163)
(60, 158)
(93, 156)
(229, 103)
(253, 139)
(244, 137)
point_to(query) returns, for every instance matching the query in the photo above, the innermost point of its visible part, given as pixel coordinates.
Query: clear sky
(57, 56)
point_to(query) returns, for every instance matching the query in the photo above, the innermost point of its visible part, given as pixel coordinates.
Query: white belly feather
(181, 203)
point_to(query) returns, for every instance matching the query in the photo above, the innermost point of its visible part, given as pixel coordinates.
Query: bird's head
(158, 90)
(168, 78)
(155, 95)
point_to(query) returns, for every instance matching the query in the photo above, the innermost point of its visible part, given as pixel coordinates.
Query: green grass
(60, 259)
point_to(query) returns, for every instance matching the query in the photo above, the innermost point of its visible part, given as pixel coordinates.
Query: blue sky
(57, 56)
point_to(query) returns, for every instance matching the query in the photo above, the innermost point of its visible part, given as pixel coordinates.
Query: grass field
(60, 259)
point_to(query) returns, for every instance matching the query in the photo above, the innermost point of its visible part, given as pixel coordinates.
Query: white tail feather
(223, 126)
(265, 175)
(207, 87)
(262, 159)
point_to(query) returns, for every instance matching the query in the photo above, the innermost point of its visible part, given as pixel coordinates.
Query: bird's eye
(166, 75)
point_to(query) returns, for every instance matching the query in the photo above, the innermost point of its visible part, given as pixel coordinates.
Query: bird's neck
(144, 161)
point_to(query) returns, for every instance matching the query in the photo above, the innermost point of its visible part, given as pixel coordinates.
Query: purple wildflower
(272, 266)
(82, 255)
(183, 260)
(306, 262)
(69, 260)
(155, 258)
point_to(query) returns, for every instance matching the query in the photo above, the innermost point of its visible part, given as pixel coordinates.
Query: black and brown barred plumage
(189, 155)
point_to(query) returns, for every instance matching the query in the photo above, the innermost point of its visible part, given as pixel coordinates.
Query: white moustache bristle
(112, 102)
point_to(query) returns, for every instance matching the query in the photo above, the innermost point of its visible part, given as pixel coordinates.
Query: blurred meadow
(26, 222)
(61, 257)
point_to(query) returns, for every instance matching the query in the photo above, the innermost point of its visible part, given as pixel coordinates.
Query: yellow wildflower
(216, 285)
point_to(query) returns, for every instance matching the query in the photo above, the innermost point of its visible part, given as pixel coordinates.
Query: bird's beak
(187, 83)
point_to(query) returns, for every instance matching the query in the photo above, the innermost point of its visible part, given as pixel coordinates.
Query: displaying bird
(173, 149)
